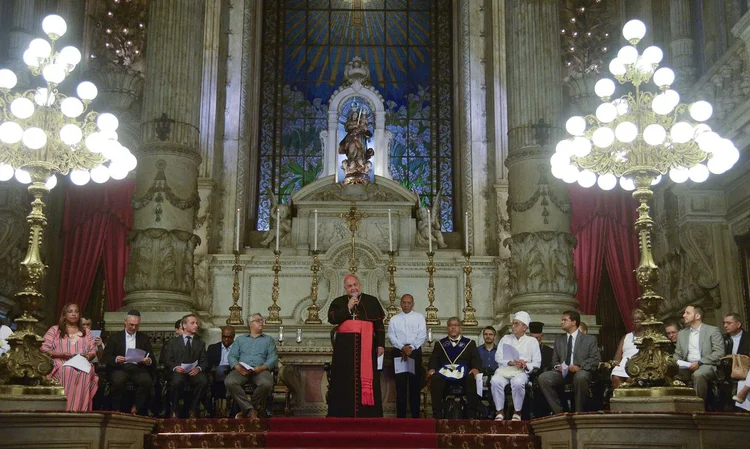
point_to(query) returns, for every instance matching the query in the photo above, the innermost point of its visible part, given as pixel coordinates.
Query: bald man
(360, 340)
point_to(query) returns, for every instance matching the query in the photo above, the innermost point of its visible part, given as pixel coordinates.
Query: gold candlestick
(235, 310)
(392, 309)
(469, 318)
(274, 309)
(432, 318)
(312, 311)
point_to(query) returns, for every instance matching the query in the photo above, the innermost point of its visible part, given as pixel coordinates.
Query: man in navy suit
(121, 371)
(576, 355)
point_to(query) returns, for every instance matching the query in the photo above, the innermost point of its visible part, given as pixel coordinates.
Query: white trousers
(517, 389)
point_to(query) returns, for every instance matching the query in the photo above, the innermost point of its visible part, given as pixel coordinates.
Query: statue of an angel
(284, 224)
(430, 230)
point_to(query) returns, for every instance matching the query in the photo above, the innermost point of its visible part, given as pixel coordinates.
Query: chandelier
(633, 140)
(45, 133)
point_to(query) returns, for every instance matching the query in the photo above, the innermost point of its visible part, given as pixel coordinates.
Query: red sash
(365, 329)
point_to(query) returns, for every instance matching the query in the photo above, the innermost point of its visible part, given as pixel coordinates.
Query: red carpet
(304, 433)
(352, 432)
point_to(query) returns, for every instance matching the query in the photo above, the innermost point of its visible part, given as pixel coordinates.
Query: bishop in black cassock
(354, 390)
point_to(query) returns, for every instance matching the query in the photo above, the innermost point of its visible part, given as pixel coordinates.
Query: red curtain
(602, 221)
(96, 221)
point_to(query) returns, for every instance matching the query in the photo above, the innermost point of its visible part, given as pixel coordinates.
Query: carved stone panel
(161, 259)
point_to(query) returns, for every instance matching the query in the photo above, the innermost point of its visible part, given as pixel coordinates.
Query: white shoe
(499, 417)
(516, 417)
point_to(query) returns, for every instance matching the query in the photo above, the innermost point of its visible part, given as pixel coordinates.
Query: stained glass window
(408, 47)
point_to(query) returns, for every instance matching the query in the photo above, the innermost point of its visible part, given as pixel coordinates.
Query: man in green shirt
(252, 357)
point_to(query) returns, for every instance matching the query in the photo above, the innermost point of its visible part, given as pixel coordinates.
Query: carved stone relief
(542, 262)
(161, 259)
(160, 190)
(202, 298)
(12, 241)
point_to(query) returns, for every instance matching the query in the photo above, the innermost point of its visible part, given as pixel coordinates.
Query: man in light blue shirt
(253, 356)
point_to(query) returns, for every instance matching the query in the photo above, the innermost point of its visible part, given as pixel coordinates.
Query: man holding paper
(218, 363)
(359, 342)
(407, 332)
(576, 355)
(517, 355)
(128, 356)
(700, 346)
(185, 357)
(253, 356)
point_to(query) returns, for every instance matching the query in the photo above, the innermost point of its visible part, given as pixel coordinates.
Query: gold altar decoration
(638, 138)
(469, 311)
(43, 133)
(313, 309)
(431, 319)
(235, 310)
(353, 219)
(392, 309)
(274, 309)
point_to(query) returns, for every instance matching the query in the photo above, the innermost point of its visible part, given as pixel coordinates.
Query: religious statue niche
(356, 143)
(356, 166)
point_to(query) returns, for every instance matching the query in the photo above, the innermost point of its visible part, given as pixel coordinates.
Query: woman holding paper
(64, 342)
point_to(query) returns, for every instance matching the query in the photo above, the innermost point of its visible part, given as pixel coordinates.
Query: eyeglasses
(258, 320)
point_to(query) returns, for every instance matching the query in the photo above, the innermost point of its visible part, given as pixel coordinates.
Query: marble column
(160, 274)
(682, 44)
(25, 25)
(542, 276)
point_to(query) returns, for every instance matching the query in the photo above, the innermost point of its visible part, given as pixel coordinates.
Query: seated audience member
(741, 395)
(488, 350)
(121, 370)
(218, 362)
(584, 328)
(736, 341)
(454, 359)
(177, 333)
(576, 355)
(86, 323)
(540, 406)
(185, 358)
(672, 328)
(5, 332)
(64, 341)
(536, 329)
(253, 356)
(514, 370)
(627, 349)
(700, 346)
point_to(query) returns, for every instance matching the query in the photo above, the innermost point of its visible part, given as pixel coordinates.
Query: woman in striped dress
(62, 342)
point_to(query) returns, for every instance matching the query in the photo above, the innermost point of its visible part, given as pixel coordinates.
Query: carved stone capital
(161, 259)
(542, 275)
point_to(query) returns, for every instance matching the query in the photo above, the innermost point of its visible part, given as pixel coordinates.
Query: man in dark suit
(736, 341)
(121, 370)
(536, 329)
(575, 356)
(540, 406)
(218, 363)
(699, 349)
(180, 353)
(454, 359)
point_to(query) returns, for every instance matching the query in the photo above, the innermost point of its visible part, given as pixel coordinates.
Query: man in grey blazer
(578, 355)
(699, 348)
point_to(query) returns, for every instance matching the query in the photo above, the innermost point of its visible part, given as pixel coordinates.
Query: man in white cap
(517, 355)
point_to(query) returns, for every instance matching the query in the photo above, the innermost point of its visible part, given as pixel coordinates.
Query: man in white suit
(699, 348)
